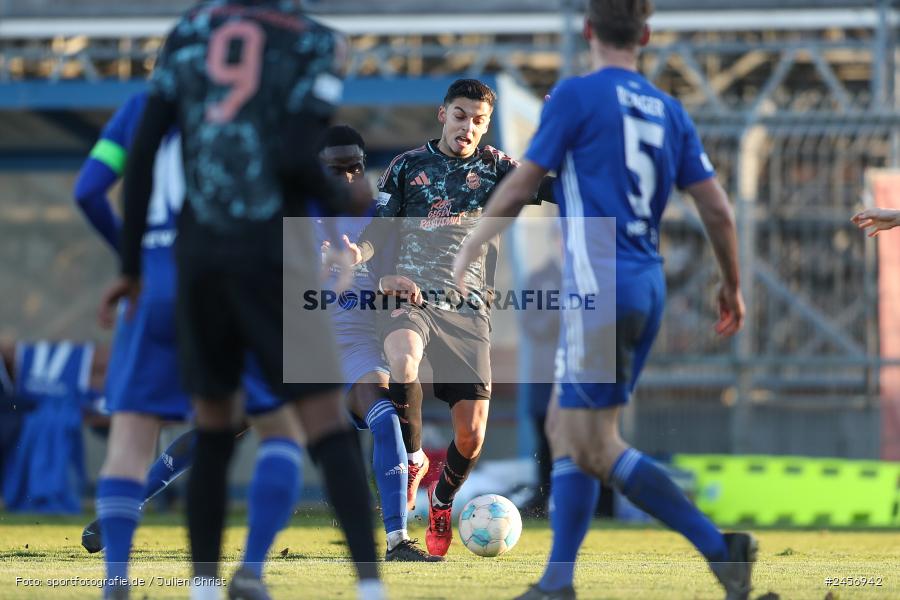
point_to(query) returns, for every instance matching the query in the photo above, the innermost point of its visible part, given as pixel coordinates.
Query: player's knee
(404, 367)
(589, 461)
(469, 441)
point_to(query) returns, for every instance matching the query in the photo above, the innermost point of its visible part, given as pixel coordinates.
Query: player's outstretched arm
(875, 220)
(514, 192)
(718, 220)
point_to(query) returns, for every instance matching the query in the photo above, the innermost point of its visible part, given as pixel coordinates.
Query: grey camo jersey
(440, 199)
(236, 71)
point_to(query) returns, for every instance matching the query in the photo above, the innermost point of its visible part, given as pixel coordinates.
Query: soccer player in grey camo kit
(437, 193)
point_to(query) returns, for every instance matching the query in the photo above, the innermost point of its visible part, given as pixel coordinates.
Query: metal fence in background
(791, 117)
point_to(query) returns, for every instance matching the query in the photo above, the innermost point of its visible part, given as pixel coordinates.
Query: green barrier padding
(795, 491)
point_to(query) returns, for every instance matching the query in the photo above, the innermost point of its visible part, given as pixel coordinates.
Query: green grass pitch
(309, 561)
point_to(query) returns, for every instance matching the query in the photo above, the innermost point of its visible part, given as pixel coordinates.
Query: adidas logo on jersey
(398, 470)
(421, 179)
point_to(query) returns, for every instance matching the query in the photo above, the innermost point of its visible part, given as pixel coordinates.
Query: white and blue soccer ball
(489, 525)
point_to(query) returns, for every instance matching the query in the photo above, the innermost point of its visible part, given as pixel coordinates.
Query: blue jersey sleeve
(557, 129)
(103, 168)
(112, 147)
(695, 165)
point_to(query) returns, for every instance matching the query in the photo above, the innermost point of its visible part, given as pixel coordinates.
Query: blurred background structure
(795, 101)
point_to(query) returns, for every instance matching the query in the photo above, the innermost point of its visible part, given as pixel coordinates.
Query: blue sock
(176, 459)
(389, 463)
(118, 509)
(651, 490)
(573, 499)
(273, 492)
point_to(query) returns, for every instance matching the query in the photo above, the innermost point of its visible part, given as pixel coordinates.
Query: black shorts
(457, 344)
(222, 314)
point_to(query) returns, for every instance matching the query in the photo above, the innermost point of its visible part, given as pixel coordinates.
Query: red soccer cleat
(416, 473)
(440, 527)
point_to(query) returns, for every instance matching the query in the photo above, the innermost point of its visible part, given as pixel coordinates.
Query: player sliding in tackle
(619, 145)
(343, 152)
(875, 220)
(430, 198)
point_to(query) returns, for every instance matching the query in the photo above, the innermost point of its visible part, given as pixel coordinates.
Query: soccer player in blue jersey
(619, 145)
(143, 385)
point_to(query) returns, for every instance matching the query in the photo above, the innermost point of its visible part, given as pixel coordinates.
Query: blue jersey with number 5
(619, 145)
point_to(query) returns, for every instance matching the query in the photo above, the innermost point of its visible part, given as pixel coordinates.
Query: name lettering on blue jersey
(159, 239)
(648, 105)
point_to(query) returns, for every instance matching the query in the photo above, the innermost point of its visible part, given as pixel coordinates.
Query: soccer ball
(489, 525)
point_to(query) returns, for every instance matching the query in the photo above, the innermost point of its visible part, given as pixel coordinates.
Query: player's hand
(731, 310)
(875, 220)
(352, 250)
(340, 260)
(402, 287)
(124, 287)
(467, 254)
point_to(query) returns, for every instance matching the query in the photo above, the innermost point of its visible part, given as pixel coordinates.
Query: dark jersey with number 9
(236, 71)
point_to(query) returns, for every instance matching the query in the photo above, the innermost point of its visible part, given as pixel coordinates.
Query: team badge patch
(397, 312)
(473, 180)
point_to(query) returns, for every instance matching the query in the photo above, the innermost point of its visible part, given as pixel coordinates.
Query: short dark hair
(471, 89)
(342, 135)
(619, 22)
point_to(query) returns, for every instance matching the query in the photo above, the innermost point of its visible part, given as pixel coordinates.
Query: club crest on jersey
(473, 180)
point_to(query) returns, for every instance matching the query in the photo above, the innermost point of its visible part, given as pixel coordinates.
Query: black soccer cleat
(536, 593)
(245, 585)
(409, 551)
(735, 574)
(91, 538)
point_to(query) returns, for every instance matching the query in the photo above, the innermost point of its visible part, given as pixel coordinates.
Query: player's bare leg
(334, 447)
(469, 424)
(132, 442)
(404, 349)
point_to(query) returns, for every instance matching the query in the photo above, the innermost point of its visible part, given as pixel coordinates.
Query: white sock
(205, 591)
(417, 457)
(437, 503)
(395, 537)
(370, 589)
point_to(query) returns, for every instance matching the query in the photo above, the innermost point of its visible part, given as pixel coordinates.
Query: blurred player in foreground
(142, 385)
(875, 220)
(619, 145)
(431, 198)
(246, 82)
